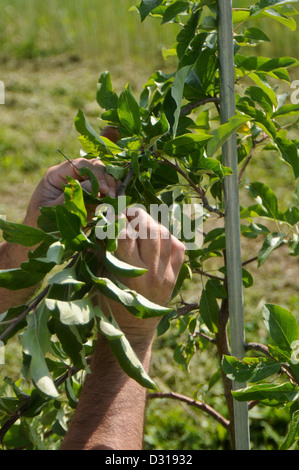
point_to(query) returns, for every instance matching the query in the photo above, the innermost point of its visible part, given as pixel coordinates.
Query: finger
(107, 184)
(87, 186)
(177, 255)
(127, 247)
(148, 236)
(165, 244)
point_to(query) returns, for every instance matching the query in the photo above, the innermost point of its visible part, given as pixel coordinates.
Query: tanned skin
(110, 412)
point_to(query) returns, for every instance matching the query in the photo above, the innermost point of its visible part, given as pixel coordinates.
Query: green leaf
(247, 278)
(223, 132)
(23, 234)
(282, 326)
(263, 64)
(288, 151)
(76, 312)
(185, 272)
(287, 110)
(85, 129)
(185, 144)
(66, 276)
(147, 6)
(129, 112)
(266, 197)
(71, 343)
(239, 16)
(117, 172)
(15, 279)
(124, 353)
(84, 171)
(177, 91)
(269, 99)
(134, 302)
(268, 394)
(260, 96)
(108, 328)
(285, 20)
(215, 288)
(72, 399)
(156, 129)
(272, 241)
(74, 200)
(187, 34)
(118, 267)
(257, 115)
(262, 4)
(55, 252)
(47, 220)
(173, 10)
(200, 82)
(255, 34)
(209, 310)
(249, 369)
(106, 97)
(36, 340)
(208, 165)
(293, 432)
(69, 225)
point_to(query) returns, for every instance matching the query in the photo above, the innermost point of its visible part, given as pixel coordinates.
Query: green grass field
(51, 55)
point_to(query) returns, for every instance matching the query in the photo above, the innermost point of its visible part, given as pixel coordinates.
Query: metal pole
(232, 215)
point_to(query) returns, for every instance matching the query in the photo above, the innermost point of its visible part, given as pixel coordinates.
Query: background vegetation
(51, 55)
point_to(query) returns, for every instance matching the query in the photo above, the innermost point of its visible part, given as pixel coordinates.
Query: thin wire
(70, 161)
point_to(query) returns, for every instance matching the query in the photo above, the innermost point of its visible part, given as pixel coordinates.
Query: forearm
(110, 413)
(12, 256)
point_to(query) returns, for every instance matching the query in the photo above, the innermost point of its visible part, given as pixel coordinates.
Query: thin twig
(211, 276)
(188, 108)
(242, 171)
(255, 143)
(20, 317)
(186, 308)
(196, 188)
(190, 401)
(286, 368)
(125, 183)
(70, 161)
(257, 347)
(251, 260)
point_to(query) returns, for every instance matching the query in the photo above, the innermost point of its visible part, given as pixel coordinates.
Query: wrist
(31, 217)
(12, 255)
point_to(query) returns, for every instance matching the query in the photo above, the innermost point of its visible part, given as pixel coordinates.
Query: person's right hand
(162, 255)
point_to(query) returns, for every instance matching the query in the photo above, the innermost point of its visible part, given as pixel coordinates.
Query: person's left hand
(49, 191)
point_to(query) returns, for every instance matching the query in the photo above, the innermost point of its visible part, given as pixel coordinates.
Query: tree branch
(196, 188)
(190, 401)
(189, 107)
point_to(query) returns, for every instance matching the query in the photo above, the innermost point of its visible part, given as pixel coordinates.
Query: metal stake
(232, 215)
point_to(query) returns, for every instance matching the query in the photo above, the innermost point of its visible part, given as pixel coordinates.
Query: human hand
(49, 191)
(161, 254)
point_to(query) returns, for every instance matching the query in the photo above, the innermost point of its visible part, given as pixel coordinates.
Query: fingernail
(111, 192)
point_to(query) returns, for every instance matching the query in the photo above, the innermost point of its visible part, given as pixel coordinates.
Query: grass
(51, 58)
